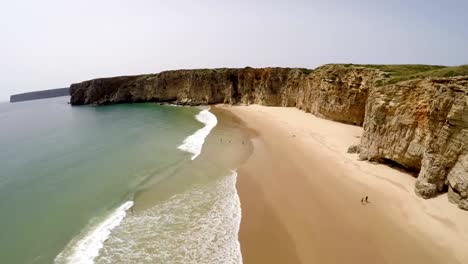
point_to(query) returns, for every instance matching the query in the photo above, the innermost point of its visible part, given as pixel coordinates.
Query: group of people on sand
(221, 140)
(365, 200)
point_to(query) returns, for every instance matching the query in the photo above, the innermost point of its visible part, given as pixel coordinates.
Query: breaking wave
(85, 248)
(200, 225)
(194, 143)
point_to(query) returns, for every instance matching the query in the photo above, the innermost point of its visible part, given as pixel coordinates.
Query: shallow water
(77, 183)
(200, 225)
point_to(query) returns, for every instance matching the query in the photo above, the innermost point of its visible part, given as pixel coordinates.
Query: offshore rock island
(413, 116)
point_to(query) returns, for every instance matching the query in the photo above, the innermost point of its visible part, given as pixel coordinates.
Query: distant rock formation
(40, 95)
(420, 123)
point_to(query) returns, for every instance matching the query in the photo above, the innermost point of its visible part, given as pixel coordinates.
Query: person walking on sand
(367, 201)
(362, 200)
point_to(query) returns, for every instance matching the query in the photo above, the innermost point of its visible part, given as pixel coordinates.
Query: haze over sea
(132, 183)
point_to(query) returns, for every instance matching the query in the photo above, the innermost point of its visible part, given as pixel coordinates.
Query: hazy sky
(52, 43)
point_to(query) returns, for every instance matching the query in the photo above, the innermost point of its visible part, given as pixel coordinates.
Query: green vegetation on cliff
(395, 73)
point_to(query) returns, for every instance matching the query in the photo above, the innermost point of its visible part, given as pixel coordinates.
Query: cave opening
(393, 164)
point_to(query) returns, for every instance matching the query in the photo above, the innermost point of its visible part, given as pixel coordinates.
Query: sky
(53, 43)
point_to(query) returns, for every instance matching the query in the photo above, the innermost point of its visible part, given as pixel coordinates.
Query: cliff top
(390, 73)
(402, 72)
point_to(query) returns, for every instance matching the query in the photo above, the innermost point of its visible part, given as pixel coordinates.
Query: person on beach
(366, 199)
(362, 200)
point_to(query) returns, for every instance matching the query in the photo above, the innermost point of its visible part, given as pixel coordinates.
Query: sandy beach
(301, 196)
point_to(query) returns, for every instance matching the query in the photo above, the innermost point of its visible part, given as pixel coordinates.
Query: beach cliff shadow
(263, 237)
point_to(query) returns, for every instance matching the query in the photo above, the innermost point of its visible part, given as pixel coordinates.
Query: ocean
(128, 183)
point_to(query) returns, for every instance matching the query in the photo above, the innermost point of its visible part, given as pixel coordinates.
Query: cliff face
(191, 87)
(420, 124)
(335, 92)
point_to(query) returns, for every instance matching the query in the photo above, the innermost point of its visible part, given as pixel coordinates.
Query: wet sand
(301, 199)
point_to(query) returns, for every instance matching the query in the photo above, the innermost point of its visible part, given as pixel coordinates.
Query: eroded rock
(354, 149)
(457, 180)
(421, 125)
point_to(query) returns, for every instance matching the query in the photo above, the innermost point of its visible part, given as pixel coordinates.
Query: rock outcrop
(354, 149)
(458, 182)
(423, 126)
(420, 124)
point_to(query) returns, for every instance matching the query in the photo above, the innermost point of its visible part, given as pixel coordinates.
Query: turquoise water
(66, 170)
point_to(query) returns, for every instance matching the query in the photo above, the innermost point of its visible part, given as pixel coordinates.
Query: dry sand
(300, 195)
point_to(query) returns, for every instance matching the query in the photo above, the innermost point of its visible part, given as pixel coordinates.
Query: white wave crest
(200, 225)
(194, 143)
(84, 249)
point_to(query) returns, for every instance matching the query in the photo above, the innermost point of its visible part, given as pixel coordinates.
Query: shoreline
(300, 196)
(203, 183)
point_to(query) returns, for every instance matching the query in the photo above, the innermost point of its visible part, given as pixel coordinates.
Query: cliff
(40, 95)
(413, 115)
(334, 92)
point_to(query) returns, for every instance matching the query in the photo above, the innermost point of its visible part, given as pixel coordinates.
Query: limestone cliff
(423, 126)
(420, 124)
(335, 92)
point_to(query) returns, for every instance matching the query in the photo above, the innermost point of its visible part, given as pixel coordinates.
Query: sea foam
(84, 249)
(194, 143)
(200, 225)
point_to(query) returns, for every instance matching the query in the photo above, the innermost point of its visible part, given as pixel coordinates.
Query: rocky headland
(36, 95)
(414, 116)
